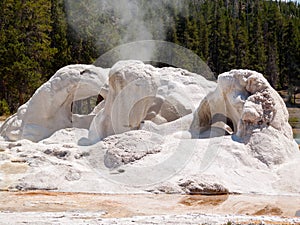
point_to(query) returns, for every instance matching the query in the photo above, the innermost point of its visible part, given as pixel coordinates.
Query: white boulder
(49, 109)
(256, 113)
(139, 92)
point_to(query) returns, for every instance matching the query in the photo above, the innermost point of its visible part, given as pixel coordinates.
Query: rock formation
(139, 92)
(49, 109)
(155, 130)
(258, 116)
(245, 99)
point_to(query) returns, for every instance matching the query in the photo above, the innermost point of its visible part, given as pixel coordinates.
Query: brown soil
(269, 210)
(3, 118)
(117, 206)
(200, 200)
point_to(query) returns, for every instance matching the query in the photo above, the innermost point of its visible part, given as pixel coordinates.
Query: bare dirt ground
(2, 119)
(123, 205)
(80, 208)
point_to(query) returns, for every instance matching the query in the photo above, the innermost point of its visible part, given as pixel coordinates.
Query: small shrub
(294, 120)
(4, 108)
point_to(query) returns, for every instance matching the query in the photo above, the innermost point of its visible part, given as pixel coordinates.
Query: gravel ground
(94, 218)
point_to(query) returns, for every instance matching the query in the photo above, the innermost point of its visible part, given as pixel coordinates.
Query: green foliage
(259, 35)
(4, 108)
(294, 120)
(37, 37)
(58, 35)
(24, 47)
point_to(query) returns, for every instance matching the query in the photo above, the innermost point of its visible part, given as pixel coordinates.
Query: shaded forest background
(37, 37)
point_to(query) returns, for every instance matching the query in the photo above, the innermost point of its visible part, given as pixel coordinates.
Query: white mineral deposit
(156, 130)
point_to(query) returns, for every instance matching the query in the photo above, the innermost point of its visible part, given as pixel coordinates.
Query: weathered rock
(73, 175)
(139, 92)
(150, 137)
(61, 154)
(194, 186)
(49, 109)
(130, 147)
(245, 100)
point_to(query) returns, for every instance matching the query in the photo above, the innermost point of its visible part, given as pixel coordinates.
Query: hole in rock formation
(222, 118)
(159, 64)
(85, 106)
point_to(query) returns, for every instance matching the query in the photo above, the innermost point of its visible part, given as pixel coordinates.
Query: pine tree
(203, 38)
(214, 37)
(227, 53)
(257, 52)
(38, 37)
(241, 38)
(272, 27)
(58, 37)
(25, 47)
(291, 56)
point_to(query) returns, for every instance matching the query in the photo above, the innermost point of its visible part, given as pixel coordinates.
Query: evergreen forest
(37, 37)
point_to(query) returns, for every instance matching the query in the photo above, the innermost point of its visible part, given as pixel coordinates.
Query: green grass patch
(294, 120)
